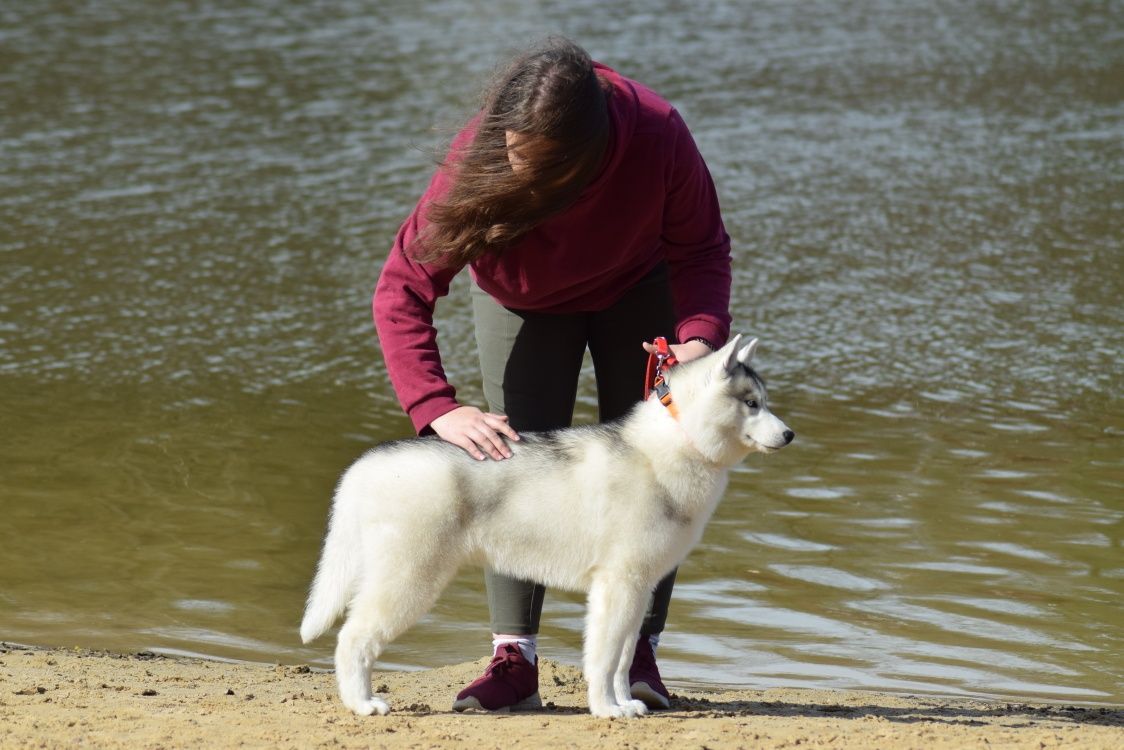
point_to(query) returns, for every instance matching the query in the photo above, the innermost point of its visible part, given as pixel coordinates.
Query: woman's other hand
(683, 352)
(480, 433)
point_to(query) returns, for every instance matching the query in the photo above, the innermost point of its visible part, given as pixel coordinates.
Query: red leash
(654, 379)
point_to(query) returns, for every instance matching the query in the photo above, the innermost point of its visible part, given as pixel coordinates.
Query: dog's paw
(370, 706)
(628, 710)
(634, 708)
(607, 712)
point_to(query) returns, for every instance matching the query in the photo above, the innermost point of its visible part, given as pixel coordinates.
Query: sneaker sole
(530, 703)
(643, 691)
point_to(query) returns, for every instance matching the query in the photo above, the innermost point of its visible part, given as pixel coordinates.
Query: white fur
(608, 511)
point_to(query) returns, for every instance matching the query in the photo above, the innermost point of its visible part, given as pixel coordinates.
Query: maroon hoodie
(653, 201)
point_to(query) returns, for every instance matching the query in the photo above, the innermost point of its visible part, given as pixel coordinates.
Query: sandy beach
(63, 698)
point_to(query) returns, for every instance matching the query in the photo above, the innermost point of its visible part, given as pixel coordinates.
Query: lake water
(927, 206)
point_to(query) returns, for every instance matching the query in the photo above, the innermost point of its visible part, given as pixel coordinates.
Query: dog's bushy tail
(336, 574)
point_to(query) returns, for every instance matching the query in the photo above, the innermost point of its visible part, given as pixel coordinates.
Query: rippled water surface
(926, 203)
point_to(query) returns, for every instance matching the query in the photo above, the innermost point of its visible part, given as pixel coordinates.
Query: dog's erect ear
(736, 354)
(745, 353)
(728, 355)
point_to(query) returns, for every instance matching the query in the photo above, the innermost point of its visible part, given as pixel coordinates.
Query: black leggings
(530, 363)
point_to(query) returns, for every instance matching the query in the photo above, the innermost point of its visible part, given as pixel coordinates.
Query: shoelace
(510, 659)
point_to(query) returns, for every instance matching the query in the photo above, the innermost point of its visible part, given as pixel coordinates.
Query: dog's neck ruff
(656, 382)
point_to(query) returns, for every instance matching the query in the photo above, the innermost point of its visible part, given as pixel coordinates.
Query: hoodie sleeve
(405, 297)
(696, 243)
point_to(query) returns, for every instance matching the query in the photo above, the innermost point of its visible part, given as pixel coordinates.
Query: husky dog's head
(761, 430)
(729, 413)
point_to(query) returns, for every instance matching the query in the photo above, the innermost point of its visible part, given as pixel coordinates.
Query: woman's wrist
(691, 349)
(701, 340)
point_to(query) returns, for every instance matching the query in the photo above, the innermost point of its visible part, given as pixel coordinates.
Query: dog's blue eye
(751, 404)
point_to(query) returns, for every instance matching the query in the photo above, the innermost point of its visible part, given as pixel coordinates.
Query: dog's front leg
(614, 613)
(622, 686)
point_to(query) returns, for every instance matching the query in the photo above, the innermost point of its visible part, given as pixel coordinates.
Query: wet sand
(54, 698)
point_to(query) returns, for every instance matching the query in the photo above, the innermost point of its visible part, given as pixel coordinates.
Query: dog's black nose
(788, 436)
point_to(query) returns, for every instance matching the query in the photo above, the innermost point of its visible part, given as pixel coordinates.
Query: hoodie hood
(623, 106)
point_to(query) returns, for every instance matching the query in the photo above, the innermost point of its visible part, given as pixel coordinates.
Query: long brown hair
(553, 100)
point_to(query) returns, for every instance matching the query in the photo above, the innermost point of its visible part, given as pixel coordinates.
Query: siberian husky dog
(605, 509)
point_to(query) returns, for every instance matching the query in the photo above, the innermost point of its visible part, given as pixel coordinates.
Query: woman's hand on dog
(480, 433)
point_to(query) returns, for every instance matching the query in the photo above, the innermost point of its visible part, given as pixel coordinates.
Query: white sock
(526, 643)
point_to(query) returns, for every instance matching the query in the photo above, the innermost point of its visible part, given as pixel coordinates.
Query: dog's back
(552, 513)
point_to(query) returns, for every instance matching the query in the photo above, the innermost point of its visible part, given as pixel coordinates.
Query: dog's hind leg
(615, 611)
(356, 651)
(388, 602)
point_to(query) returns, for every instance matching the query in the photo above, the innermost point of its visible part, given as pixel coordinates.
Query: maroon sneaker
(510, 683)
(644, 677)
